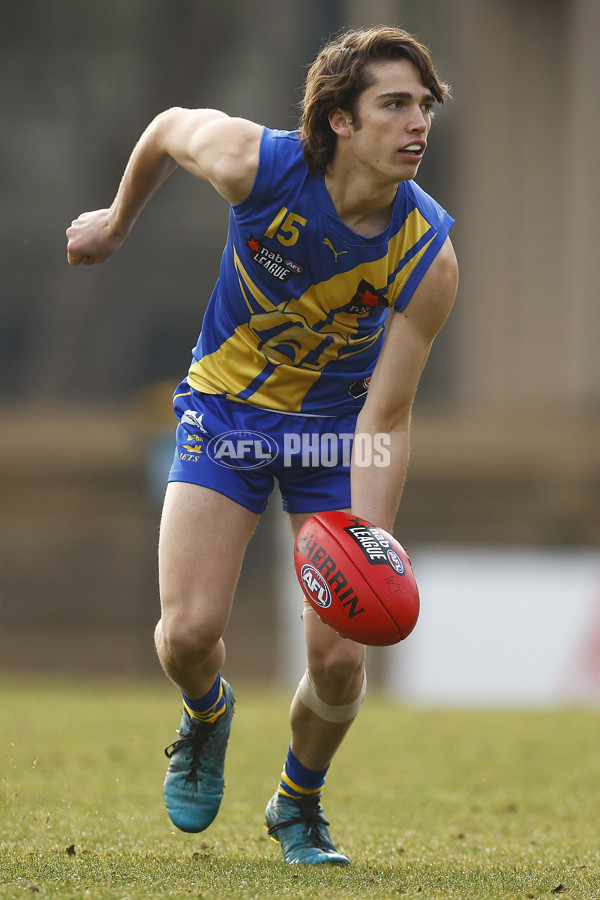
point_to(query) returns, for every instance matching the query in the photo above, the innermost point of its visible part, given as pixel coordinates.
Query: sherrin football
(357, 577)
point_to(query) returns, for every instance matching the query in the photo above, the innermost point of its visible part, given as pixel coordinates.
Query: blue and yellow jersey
(296, 320)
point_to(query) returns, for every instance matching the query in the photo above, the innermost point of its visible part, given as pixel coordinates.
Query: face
(389, 133)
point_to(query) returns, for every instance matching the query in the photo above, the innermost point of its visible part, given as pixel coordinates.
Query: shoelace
(311, 817)
(196, 738)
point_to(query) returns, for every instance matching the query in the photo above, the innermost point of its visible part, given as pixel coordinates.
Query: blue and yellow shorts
(239, 450)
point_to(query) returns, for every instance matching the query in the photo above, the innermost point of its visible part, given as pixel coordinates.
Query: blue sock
(209, 707)
(298, 781)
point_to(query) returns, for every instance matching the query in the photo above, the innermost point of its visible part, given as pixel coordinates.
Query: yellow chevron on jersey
(341, 286)
(297, 316)
(413, 231)
(310, 311)
(298, 334)
(335, 292)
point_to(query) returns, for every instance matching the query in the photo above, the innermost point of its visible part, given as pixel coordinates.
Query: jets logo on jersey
(365, 299)
(276, 264)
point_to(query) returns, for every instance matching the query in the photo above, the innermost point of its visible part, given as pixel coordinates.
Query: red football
(357, 577)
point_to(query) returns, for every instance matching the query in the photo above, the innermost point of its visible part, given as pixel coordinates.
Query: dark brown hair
(340, 74)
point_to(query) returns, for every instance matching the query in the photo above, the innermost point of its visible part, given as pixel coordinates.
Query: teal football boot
(300, 827)
(195, 781)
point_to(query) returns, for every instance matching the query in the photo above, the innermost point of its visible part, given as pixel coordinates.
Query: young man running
(327, 234)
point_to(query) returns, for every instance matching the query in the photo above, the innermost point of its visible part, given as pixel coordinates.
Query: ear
(340, 122)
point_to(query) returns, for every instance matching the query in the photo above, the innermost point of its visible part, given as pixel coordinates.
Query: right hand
(90, 238)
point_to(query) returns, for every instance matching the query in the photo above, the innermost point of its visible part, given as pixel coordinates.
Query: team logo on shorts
(315, 586)
(192, 421)
(242, 449)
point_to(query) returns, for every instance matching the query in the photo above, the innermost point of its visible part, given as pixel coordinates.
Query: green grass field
(427, 803)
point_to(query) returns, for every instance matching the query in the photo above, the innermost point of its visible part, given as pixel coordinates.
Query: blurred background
(501, 513)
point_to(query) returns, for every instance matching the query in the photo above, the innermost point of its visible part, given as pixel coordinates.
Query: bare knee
(338, 673)
(182, 642)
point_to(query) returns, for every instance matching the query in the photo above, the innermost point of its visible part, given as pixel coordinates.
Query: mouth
(415, 150)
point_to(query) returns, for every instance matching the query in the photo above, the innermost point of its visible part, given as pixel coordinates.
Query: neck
(362, 205)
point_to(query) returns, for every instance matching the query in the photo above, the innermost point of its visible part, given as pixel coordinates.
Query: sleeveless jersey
(296, 320)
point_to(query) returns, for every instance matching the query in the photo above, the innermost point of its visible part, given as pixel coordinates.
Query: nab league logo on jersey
(276, 264)
(365, 299)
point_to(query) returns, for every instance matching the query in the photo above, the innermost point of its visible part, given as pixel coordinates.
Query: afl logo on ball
(395, 561)
(315, 587)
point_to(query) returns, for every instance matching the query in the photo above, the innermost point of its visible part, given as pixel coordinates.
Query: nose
(419, 121)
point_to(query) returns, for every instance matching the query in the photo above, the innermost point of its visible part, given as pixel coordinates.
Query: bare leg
(321, 713)
(336, 667)
(203, 538)
(202, 543)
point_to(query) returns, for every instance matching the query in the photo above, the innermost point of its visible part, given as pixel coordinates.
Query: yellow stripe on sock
(296, 787)
(210, 715)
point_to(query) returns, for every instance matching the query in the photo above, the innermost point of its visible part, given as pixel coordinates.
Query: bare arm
(207, 143)
(376, 490)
